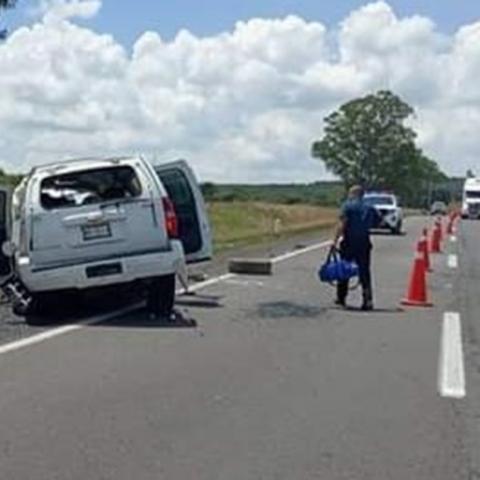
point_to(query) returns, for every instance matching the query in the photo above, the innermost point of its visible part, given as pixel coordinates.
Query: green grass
(319, 193)
(244, 223)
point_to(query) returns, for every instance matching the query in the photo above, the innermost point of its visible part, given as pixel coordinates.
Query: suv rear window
(379, 200)
(87, 187)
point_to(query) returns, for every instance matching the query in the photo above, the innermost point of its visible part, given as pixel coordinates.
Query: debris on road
(252, 266)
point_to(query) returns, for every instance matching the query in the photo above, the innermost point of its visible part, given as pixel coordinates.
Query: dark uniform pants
(361, 256)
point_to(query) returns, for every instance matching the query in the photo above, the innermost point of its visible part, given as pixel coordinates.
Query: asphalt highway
(259, 378)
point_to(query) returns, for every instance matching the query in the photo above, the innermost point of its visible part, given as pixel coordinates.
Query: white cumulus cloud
(54, 10)
(243, 105)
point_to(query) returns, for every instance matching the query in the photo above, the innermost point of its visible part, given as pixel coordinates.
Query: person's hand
(336, 242)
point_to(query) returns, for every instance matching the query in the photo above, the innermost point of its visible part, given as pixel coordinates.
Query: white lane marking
(453, 238)
(56, 332)
(452, 261)
(451, 369)
(244, 283)
(311, 248)
(206, 283)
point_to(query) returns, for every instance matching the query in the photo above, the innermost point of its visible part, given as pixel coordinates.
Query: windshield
(378, 200)
(89, 187)
(472, 194)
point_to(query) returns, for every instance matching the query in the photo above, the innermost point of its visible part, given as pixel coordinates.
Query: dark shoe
(341, 302)
(367, 306)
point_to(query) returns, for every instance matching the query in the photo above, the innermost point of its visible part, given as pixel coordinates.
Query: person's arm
(342, 223)
(340, 230)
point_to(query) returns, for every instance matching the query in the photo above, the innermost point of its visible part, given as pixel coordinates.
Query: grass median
(237, 224)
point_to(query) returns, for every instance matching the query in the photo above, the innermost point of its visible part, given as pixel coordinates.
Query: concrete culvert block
(250, 266)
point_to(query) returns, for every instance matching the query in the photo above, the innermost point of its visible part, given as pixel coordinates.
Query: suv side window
(3, 208)
(4, 262)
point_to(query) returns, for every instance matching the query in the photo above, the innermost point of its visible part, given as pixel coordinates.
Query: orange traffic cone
(450, 226)
(417, 289)
(425, 250)
(436, 239)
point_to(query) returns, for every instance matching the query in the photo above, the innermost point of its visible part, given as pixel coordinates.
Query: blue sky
(208, 17)
(243, 106)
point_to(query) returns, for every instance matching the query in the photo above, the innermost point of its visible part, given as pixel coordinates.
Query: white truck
(90, 223)
(471, 199)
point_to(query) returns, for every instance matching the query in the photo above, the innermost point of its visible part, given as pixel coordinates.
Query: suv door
(4, 228)
(183, 190)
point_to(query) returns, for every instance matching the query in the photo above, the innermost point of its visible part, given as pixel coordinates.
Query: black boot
(341, 302)
(367, 304)
(342, 292)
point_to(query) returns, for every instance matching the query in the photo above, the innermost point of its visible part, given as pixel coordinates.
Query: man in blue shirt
(353, 234)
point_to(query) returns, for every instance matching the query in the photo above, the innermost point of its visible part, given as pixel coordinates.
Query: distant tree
(367, 142)
(470, 173)
(209, 190)
(9, 180)
(4, 4)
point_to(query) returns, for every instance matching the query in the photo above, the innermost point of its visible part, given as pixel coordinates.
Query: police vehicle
(390, 215)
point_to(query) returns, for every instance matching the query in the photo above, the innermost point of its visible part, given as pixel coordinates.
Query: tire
(398, 229)
(161, 296)
(35, 311)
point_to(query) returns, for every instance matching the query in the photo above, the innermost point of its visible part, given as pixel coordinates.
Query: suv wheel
(161, 296)
(397, 230)
(36, 311)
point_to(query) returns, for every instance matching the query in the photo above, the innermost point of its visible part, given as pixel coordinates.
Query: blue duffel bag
(336, 269)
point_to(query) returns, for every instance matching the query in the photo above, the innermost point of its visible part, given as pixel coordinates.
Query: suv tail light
(171, 220)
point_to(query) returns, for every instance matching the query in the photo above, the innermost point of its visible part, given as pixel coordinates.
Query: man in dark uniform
(356, 219)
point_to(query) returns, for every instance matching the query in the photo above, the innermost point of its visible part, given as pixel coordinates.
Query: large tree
(367, 141)
(6, 4)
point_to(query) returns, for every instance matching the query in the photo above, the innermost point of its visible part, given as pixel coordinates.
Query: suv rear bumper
(390, 220)
(132, 268)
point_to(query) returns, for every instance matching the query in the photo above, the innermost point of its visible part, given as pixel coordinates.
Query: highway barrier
(250, 266)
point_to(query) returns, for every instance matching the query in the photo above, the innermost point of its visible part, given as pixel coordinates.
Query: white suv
(390, 215)
(92, 223)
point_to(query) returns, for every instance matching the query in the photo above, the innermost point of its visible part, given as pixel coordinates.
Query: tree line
(9, 180)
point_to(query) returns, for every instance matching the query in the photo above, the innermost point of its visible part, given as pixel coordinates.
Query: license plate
(96, 232)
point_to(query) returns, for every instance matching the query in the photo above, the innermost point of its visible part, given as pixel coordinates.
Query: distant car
(390, 215)
(438, 208)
